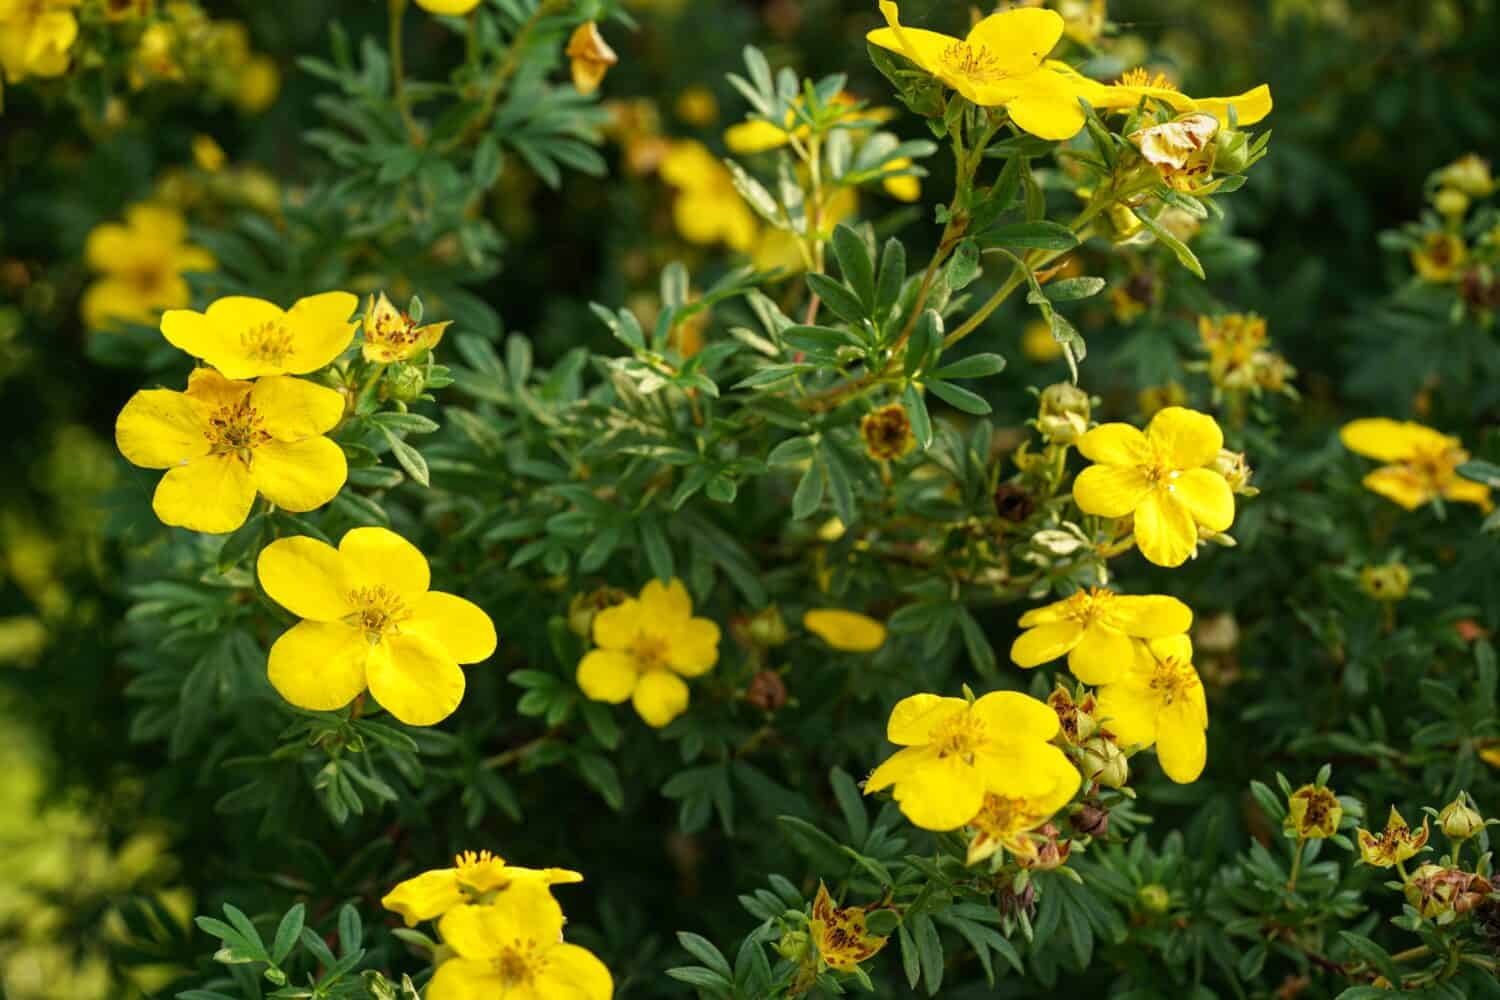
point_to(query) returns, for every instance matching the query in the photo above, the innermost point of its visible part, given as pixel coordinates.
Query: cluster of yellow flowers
(1442, 255)
(35, 37)
(502, 932)
(1240, 358)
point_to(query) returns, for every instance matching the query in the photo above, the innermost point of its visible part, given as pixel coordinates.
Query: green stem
(396, 9)
(506, 70)
(1291, 883)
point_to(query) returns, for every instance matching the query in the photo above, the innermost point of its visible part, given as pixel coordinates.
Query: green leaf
(1481, 472)
(809, 494)
(855, 264)
(658, 552)
(963, 267)
(408, 457)
(1179, 249)
(704, 951)
(287, 932)
(1031, 236)
(840, 301)
(930, 951)
(892, 276)
(959, 398)
(916, 412)
(1070, 289)
(974, 366)
(851, 805)
(925, 344)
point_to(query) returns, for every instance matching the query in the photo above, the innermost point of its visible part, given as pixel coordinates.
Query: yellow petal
(575, 973)
(529, 915)
(214, 390)
(1164, 530)
(219, 335)
(661, 604)
(1047, 614)
(916, 716)
(1102, 656)
(1149, 616)
(320, 328)
(1399, 484)
(463, 978)
(1110, 490)
(1115, 444)
(1042, 102)
(306, 577)
(1129, 709)
(1206, 496)
(110, 299)
(415, 679)
(659, 697)
(294, 408)
(944, 795)
(616, 627)
(607, 675)
(1390, 440)
(425, 897)
(377, 557)
(1016, 716)
(1249, 107)
(1065, 782)
(211, 494)
(1181, 745)
(1018, 40)
(693, 647)
(300, 475)
(899, 766)
(319, 666)
(108, 245)
(845, 630)
(751, 137)
(1017, 769)
(460, 625)
(159, 428)
(1468, 491)
(452, 8)
(1188, 439)
(1045, 643)
(925, 48)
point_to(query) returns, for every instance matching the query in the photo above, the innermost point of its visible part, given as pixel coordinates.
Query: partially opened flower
(475, 878)
(1159, 701)
(221, 442)
(1000, 63)
(142, 263)
(849, 631)
(1181, 149)
(839, 935)
(1138, 85)
(1093, 628)
(513, 950)
(1421, 463)
(392, 335)
(955, 752)
(1164, 479)
(245, 337)
(589, 57)
(646, 645)
(369, 621)
(1393, 845)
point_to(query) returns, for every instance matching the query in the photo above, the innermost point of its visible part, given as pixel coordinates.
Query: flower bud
(1154, 898)
(405, 383)
(767, 691)
(1451, 202)
(1075, 718)
(589, 57)
(793, 945)
(1051, 853)
(1470, 175)
(1105, 763)
(1090, 820)
(1459, 819)
(766, 627)
(583, 608)
(1313, 813)
(1390, 582)
(1056, 542)
(1063, 413)
(887, 433)
(1013, 503)
(1235, 470)
(1436, 891)
(1231, 151)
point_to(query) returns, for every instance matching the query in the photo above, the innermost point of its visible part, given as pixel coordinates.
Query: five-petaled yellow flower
(839, 935)
(475, 879)
(1420, 463)
(707, 208)
(954, 752)
(1094, 628)
(515, 951)
(1000, 63)
(1393, 845)
(645, 646)
(391, 335)
(143, 261)
(1160, 701)
(1163, 478)
(35, 36)
(1005, 822)
(223, 441)
(245, 337)
(1313, 813)
(369, 620)
(848, 631)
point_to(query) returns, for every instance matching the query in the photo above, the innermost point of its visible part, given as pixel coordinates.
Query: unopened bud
(1063, 413)
(1451, 202)
(1105, 763)
(405, 383)
(1459, 819)
(767, 691)
(1091, 820)
(1231, 151)
(1013, 503)
(1390, 582)
(793, 945)
(1235, 470)
(766, 627)
(1154, 898)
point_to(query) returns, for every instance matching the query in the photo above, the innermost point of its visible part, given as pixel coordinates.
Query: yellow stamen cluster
(379, 610)
(1141, 77)
(236, 429)
(973, 61)
(269, 341)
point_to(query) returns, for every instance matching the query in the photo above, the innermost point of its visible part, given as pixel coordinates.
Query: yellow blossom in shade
(697, 106)
(887, 433)
(1440, 258)
(259, 81)
(839, 934)
(645, 646)
(452, 8)
(35, 36)
(1038, 344)
(143, 261)
(1420, 463)
(1469, 174)
(902, 187)
(208, 154)
(707, 208)
(1093, 628)
(1394, 844)
(1138, 85)
(845, 630)
(1164, 479)
(245, 337)
(223, 441)
(1159, 701)
(1000, 63)
(758, 135)
(390, 334)
(954, 752)
(479, 878)
(514, 950)
(369, 621)
(589, 57)
(1313, 813)
(1005, 822)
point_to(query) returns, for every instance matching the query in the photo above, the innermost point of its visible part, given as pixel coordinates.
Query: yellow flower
(1313, 813)
(1160, 701)
(35, 36)
(1038, 344)
(1094, 628)
(223, 441)
(1470, 174)
(646, 645)
(845, 630)
(1440, 258)
(474, 878)
(258, 83)
(514, 950)
(1420, 463)
(998, 64)
(887, 433)
(369, 620)
(1163, 479)
(697, 106)
(245, 337)
(449, 7)
(589, 56)
(955, 752)
(839, 934)
(902, 187)
(1004, 822)
(1394, 844)
(759, 135)
(707, 209)
(143, 261)
(207, 153)
(1137, 85)
(390, 334)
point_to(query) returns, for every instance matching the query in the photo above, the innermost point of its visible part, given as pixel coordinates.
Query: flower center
(378, 611)
(650, 652)
(397, 331)
(959, 736)
(1002, 816)
(1435, 466)
(235, 428)
(517, 964)
(1139, 77)
(1173, 679)
(973, 61)
(1089, 606)
(269, 342)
